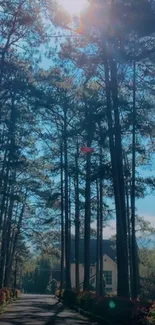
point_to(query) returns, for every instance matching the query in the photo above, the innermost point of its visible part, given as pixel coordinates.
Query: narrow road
(40, 310)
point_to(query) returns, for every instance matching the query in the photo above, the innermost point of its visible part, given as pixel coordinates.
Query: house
(109, 265)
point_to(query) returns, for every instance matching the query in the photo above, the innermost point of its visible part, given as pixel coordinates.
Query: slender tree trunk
(70, 216)
(129, 237)
(101, 230)
(127, 192)
(3, 256)
(134, 246)
(6, 223)
(62, 220)
(15, 275)
(115, 151)
(77, 220)
(67, 232)
(14, 244)
(98, 239)
(87, 223)
(8, 240)
(121, 184)
(5, 187)
(3, 246)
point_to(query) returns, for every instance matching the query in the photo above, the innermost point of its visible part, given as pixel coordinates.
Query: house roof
(108, 249)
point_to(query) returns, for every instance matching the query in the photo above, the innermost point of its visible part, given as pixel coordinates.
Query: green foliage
(151, 315)
(86, 300)
(147, 273)
(36, 281)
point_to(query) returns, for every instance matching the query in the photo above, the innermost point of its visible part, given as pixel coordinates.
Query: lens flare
(73, 7)
(112, 304)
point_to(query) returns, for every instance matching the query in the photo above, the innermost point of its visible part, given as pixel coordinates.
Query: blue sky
(145, 207)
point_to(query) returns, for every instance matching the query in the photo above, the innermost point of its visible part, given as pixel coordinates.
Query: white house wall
(108, 265)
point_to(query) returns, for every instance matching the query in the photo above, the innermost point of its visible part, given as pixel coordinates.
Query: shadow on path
(40, 310)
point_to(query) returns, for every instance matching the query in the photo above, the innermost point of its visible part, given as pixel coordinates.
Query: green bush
(115, 310)
(151, 314)
(86, 300)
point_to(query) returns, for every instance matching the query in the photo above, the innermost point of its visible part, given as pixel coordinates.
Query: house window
(108, 277)
(108, 289)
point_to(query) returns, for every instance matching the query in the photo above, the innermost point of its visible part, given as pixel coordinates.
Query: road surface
(40, 310)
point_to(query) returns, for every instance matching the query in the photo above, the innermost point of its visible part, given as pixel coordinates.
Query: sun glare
(73, 6)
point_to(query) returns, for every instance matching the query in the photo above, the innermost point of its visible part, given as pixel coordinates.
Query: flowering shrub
(2, 297)
(151, 314)
(114, 310)
(86, 300)
(7, 294)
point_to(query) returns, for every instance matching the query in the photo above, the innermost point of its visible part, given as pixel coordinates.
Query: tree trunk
(15, 275)
(62, 220)
(8, 237)
(98, 239)
(3, 246)
(3, 256)
(67, 232)
(101, 230)
(77, 220)
(87, 223)
(69, 216)
(118, 181)
(133, 240)
(14, 244)
(123, 283)
(129, 239)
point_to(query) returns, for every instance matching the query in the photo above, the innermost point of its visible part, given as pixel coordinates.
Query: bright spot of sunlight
(73, 6)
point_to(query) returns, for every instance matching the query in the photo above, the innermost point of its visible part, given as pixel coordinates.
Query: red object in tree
(87, 149)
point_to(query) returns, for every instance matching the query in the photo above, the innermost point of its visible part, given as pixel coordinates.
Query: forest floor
(40, 310)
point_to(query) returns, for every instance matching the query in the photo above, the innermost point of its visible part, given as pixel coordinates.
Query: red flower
(87, 149)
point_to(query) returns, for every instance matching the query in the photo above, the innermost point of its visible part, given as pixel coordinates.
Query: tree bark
(101, 230)
(133, 240)
(98, 239)
(67, 225)
(77, 220)
(87, 223)
(14, 244)
(8, 240)
(118, 181)
(123, 283)
(62, 220)
(15, 274)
